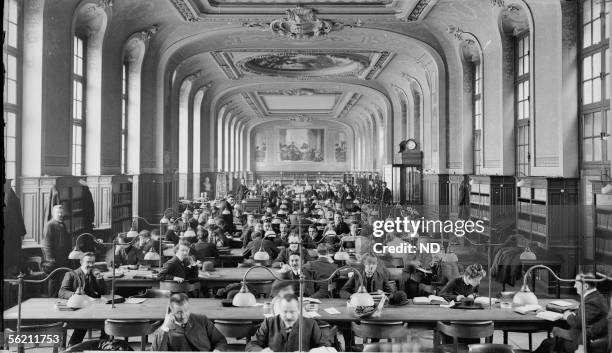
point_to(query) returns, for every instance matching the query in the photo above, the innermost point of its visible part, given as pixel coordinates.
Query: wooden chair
(185, 287)
(237, 329)
(376, 330)
(490, 348)
(329, 333)
(261, 287)
(83, 346)
(131, 328)
(461, 329)
(56, 330)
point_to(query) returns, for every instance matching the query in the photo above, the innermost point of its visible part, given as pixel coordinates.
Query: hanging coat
(14, 228)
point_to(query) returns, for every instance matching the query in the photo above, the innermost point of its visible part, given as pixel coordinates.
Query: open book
(531, 308)
(431, 300)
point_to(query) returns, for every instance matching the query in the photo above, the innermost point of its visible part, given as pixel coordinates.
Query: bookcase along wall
(492, 201)
(602, 228)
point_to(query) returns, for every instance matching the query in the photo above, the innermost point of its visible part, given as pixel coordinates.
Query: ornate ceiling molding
(302, 23)
(354, 99)
(418, 11)
(252, 104)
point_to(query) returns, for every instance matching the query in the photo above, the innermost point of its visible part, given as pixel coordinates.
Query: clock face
(411, 144)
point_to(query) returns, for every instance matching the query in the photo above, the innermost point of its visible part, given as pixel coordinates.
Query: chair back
(378, 329)
(56, 329)
(127, 328)
(175, 287)
(464, 329)
(236, 329)
(489, 348)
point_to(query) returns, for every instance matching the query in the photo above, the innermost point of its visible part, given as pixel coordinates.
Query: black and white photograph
(307, 176)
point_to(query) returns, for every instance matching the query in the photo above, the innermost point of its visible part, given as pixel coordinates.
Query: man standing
(280, 333)
(242, 191)
(90, 282)
(57, 245)
(186, 332)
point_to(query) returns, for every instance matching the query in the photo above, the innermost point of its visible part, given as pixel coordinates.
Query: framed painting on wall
(301, 145)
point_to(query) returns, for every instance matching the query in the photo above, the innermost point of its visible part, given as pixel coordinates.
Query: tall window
(477, 116)
(522, 103)
(78, 105)
(12, 62)
(124, 107)
(595, 78)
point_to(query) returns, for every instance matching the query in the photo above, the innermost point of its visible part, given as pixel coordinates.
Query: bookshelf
(121, 207)
(492, 201)
(602, 229)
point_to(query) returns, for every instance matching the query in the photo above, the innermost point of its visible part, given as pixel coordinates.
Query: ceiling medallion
(498, 3)
(302, 23)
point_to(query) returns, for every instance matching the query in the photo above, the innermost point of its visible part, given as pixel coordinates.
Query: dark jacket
(177, 268)
(14, 228)
(270, 334)
(199, 334)
(91, 286)
(264, 244)
(457, 286)
(57, 243)
(202, 250)
(378, 281)
(128, 255)
(319, 269)
(596, 317)
(283, 255)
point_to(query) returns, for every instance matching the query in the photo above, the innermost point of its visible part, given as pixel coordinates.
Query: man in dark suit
(57, 245)
(184, 331)
(280, 333)
(374, 279)
(313, 238)
(179, 268)
(319, 269)
(292, 248)
(86, 280)
(204, 249)
(596, 310)
(263, 243)
(242, 190)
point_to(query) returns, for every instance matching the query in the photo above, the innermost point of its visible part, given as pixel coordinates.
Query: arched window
(595, 57)
(124, 117)
(522, 102)
(78, 105)
(12, 85)
(477, 116)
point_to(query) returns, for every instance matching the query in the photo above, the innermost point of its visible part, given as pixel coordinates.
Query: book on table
(549, 315)
(531, 308)
(430, 300)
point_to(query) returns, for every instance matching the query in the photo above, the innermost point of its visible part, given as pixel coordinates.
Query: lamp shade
(75, 254)
(189, 233)
(151, 255)
(261, 256)
(131, 234)
(244, 297)
(527, 255)
(525, 297)
(342, 256)
(361, 298)
(78, 300)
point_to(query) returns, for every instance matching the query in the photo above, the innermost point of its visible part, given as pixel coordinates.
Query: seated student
(280, 332)
(279, 290)
(248, 237)
(312, 239)
(338, 225)
(90, 281)
(465, 286)
(126, 254)
(283, 235)
(247, 229)
(217, 235)
(411, 276)
(319, 269)
(596, 310)
(348, 241)
(185, 331)
(292, 248)
(375, 280)
(145, 243)
(181, 267)
(203, 248)
(172, 234)
(259, 242)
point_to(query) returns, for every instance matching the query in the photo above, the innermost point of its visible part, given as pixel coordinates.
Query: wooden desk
(41, 310)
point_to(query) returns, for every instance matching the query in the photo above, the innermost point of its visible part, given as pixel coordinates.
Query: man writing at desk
(280, 333)
(184, 331)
